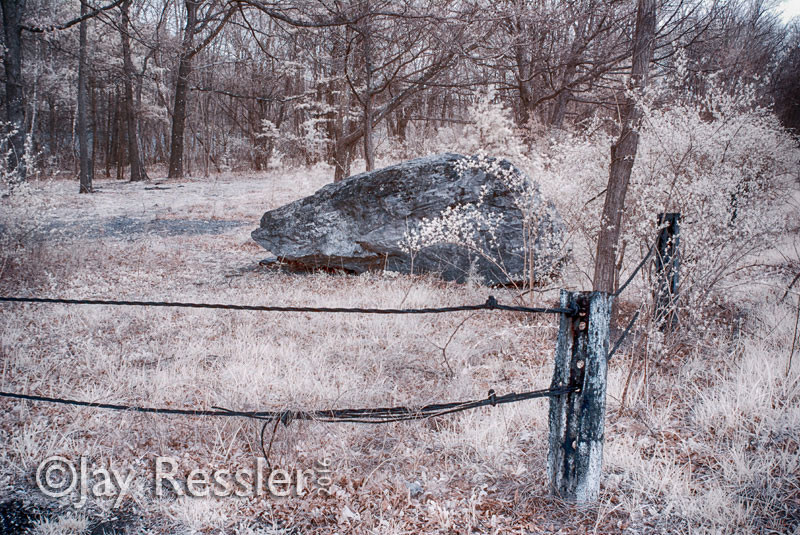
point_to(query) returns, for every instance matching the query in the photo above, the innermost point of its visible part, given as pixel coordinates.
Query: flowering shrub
(474, 227)
(726, 165)
(724, 162)
(20, 208)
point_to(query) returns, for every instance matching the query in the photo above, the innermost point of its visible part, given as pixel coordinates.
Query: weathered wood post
(577, 419)
(667, 270)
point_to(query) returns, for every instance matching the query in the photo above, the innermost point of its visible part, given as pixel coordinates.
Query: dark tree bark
(83, 123)
(138, 172)
(338, 154)
(369, 143)
(181, 92)
(188, 51)
(179, 119)
(93, 128)
(563, 98)
(403, 117)
(121, 122)
(15, 98)
(623, 152)
(111, 134)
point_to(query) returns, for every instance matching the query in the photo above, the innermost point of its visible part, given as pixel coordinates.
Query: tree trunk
(83, 126)
(120, 146)
(111, 126)
(15, 97)
(524, 85)
(623, 151)
(181, 93)
(93, 126)
(338, 154)
(179, 119)
(138, 172)
(369, 144)
(52, 145)
(403, 117)
(563, 98)
(573, 60)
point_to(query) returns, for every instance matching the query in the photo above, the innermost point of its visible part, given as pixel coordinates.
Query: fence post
(667, 269)
(577, 419)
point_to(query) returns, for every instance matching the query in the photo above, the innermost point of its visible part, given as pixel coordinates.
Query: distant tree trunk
(120, 146)
(15, 98)
(119, 129)
(93, 128)
(563, 98)
(571, 67)
(188, 51)
(623, 151)
(52, 139)
(403, 117)
(179, 119)
(111, 134)
(369, 143)
(526, 97)
(138, 172)
(342, 152)
(181, 93)
(83, 126)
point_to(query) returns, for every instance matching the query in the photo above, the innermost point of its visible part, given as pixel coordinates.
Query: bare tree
(138, 171)
(15, 98)
(623, 151)
(199, 16)
(13, 25)
(86, 164)
(219, 83)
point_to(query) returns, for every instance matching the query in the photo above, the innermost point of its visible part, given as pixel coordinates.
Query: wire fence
(379, 415)
(375, 415)
(490, 304)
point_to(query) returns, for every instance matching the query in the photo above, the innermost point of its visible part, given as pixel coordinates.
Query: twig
(444, 349)
(628, 379)
(794, 338)
(788, 288)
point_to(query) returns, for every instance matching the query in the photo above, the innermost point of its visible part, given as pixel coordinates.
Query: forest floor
(707, 439)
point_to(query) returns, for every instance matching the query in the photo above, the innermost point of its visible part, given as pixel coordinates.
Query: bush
(724, 162)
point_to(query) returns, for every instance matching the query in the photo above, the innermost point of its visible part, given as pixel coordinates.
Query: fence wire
(378, 415)
(490, 304)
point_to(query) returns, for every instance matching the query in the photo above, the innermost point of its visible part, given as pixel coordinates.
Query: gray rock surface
(358, 224)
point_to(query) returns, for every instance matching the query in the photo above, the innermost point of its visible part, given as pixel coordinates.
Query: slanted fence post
(577, 419)
(667, 270)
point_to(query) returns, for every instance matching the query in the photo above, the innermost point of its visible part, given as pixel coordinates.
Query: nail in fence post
(577, 419)
(667, 269)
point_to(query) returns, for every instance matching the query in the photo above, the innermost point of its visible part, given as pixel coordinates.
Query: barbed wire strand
(366, 415)
(490, 304)
(380, 415)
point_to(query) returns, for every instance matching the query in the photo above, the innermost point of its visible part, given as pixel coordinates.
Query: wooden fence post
(667, 270)
(577, 419)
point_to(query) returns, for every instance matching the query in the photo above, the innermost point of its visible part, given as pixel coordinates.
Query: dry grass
(708, 441)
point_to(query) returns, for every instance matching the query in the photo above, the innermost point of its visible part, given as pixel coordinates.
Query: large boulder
(360, 223)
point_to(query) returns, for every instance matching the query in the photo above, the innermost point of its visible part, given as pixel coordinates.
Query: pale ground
(707, 441)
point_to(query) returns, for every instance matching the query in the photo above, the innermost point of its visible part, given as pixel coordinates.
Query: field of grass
(706, 442)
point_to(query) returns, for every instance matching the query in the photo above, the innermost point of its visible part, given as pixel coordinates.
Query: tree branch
(73, 22)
